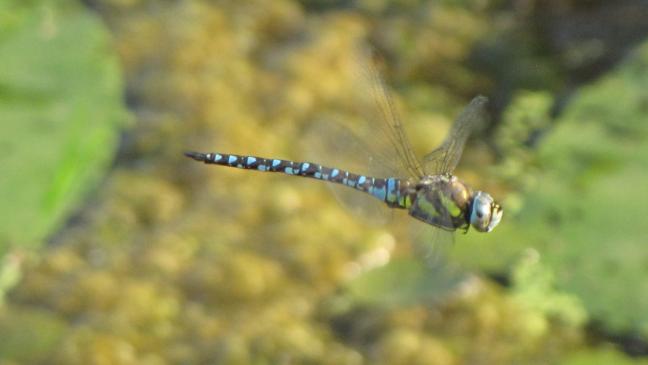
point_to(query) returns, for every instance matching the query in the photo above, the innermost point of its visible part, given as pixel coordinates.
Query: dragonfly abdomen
(393, 191)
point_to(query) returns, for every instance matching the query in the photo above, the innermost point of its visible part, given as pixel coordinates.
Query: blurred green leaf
(61, 108)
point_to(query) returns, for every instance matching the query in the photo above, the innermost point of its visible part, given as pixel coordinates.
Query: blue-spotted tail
(394, 192)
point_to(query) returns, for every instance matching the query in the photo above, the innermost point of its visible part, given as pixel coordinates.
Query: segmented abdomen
(393, 191)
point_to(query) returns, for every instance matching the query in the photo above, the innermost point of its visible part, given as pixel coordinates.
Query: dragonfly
(426, 189)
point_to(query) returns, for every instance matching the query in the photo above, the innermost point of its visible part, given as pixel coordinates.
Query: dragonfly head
(485, 213)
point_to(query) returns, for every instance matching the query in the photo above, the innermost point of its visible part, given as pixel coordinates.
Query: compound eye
(481, 214)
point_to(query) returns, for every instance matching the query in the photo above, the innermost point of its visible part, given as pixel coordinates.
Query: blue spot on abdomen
(379, 193)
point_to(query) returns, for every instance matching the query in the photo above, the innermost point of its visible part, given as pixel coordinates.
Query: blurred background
(116, 249)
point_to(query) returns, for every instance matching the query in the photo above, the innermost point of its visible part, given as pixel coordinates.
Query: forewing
(445, 158)
(367, 138)
(381, 112)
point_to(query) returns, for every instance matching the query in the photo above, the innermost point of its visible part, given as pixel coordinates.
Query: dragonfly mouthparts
(196, 155)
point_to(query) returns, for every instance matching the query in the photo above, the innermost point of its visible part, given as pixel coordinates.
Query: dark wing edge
(445, 158)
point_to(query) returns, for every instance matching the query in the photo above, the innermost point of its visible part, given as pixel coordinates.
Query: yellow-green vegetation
(173, 262)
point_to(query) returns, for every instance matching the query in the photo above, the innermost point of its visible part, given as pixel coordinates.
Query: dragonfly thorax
(446, 202)
(442, 201)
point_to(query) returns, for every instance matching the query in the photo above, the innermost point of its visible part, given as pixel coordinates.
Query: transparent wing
(383, 115)
(445, 158)
(348, 142)
(431, 244)
(367, 139)
(333, 144)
